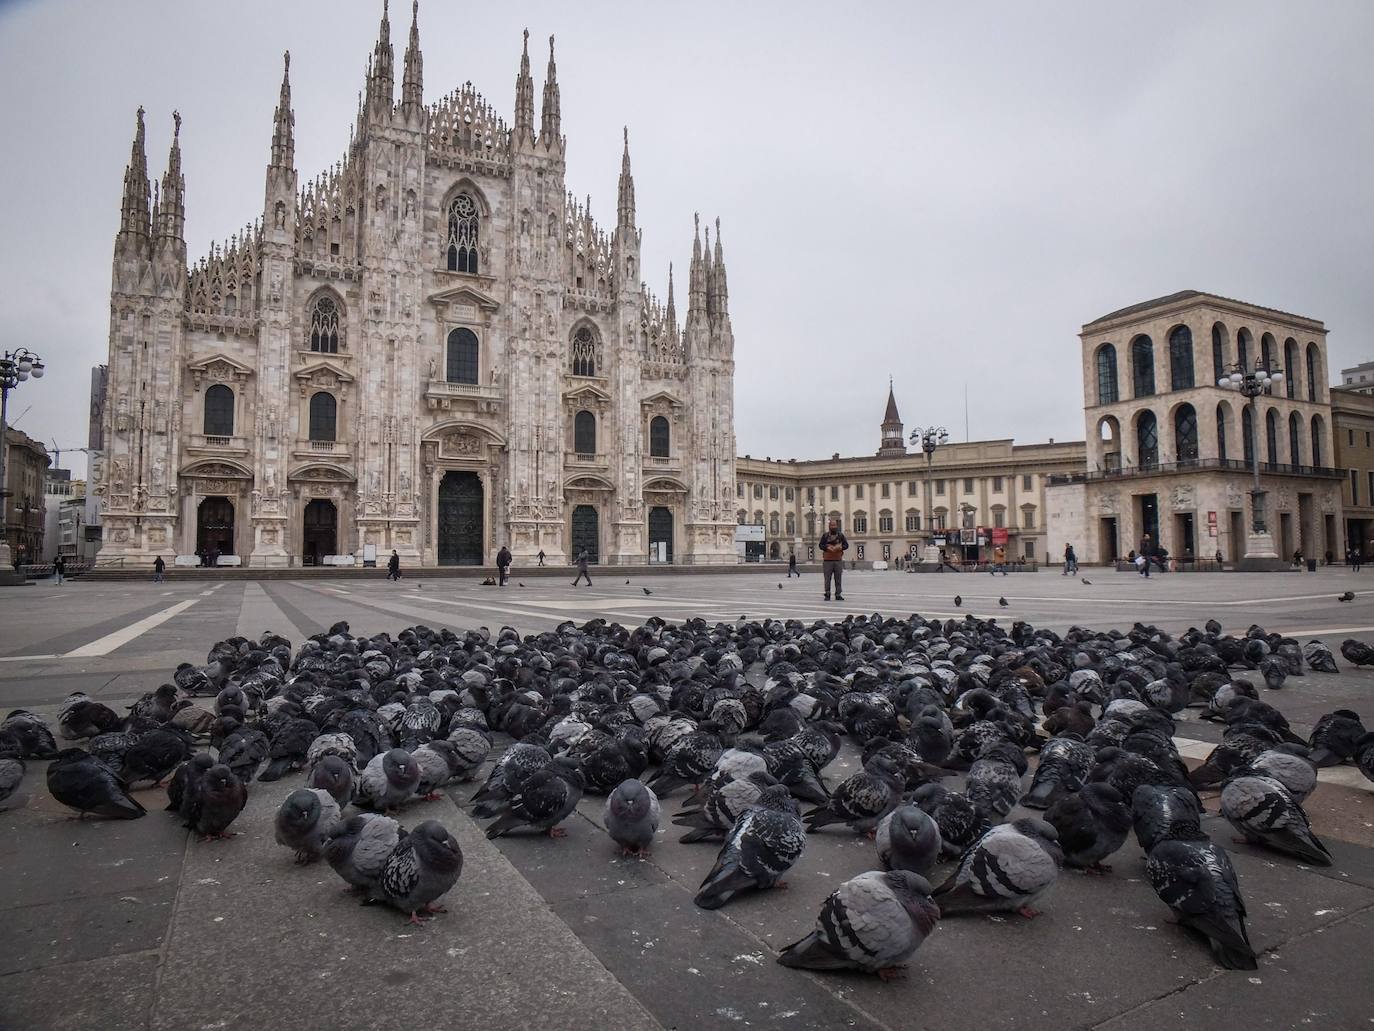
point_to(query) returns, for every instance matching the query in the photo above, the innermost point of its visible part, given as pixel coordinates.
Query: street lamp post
(930, 438)
(15, 367)
(1251, 383)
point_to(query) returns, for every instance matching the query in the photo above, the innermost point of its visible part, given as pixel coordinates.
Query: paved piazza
(135, 925)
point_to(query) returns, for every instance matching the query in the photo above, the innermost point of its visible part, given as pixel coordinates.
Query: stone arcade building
(430, 347)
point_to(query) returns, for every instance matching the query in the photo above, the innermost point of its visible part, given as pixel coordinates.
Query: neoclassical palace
(430, 347)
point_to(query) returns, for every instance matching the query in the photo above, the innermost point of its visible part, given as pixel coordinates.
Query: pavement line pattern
(108, 643)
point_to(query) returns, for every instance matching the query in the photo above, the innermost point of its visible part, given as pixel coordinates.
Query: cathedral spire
(284, 124)
(550, 119)
(172, 213)
(133, 220)
(894, 443)
(412, 86)
(670, 311)
(720, 289)
(524, 94)
(625, 200)
(696, 277)
(380, 68)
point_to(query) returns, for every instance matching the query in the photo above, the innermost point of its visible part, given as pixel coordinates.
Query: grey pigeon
(515, 765)
(31, 730)
(873, 922)
(183, 789)
(689, 760)
(84, 783)
(908, 839)
(994, 779)
(11, 775)
(420, 869)
(155, 755)
(337, 743)
(82, 717)
(304, 821)
(244, 751)
(1165, 813)
(1318, 657)
(1092, 823)
(387, 781)
(631, 817)
(1063, 767)
(221, 796)
(863, 799)
(1196, 881)
(725, 801)
(471, 746)
(1009, 868)
(1295, 772)
(291, 743)
(1263, 811)
(437, 761)
(334, 775)
(358, 847)
(762, 846)
(543, 801)
(1334, 737)
(961, 822)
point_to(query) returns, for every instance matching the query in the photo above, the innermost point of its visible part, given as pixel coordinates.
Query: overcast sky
(940, 192)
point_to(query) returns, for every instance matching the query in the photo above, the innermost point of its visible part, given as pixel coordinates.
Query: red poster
(999, 535)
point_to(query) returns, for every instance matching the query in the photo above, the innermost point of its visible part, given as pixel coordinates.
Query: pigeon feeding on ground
(861, 800)
(1010, 867)
(84, 783)
(723, 802)
(422, 868)
(1334, 737)
(631, 817)
(762, 846)
(1196, 881)
(873, 922)
(11, 775)
(304, 821)
(1262, 810)
(543, 801)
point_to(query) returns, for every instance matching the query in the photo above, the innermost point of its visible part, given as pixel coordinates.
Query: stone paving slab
(113, 993)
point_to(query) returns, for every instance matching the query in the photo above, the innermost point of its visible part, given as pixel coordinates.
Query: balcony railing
(1233, 465)
(323, 445)
(217, 441)
(443, 388)
(584, 458)
(209, 440)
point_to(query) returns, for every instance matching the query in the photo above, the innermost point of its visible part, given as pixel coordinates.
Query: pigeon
(958, 601)
(873, 922)
(516, 764)
(1009, 868)
(34, 739)
(304, 821)
(1296, 773)
(689, 760)
(908, 839)
(11, 775)
(290, 744)
(1318, 657)
(1264, 812)
(779, 586)
(1003, 602)
(422, 868)
(1092, 824)
(333, 775)
(631, 817)
(84, 783)
(762, 846)
(1086, 581)
(644, 589)
(1358, 652)
(184, 787)
(243, 751)
(543, 801)
(338, 743)
(1364, 756)
(1063, 767)
(471, 747)
(81, 717)
(994, 779)
(961, 823)
(357, 848)
(155, 755)
(723, 803)
(221, 796)
(1347, 596)
(1196, 881)
(1334, 737)
(388, 781)
(436, 761)
(1165, 813)
(863, 799)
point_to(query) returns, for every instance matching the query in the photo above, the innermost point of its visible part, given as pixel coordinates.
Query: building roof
(1188, 295)
(891, 416)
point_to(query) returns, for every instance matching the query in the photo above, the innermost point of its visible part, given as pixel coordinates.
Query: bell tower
(894, 444)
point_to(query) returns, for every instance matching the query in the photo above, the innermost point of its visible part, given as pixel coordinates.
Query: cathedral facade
(431, 347)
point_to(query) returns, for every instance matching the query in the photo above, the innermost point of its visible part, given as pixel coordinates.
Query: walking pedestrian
(1070, 560)
(59, 567)
(582, 568)
(999, 561)
(1355, 559)
(1142, 564)
(792, 566)
(541, 556)
(502, 565)
(833, 545)
(159, 567)
(393, 566)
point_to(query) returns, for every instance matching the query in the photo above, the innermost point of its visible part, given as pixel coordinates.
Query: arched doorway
(215, 526)
(320, 532)
(586, 532)
(660, 535)
(460, 520)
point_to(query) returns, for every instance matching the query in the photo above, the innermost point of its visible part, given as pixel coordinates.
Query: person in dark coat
(502, 565)
(833, 545)
(159, 567)
(393, 566)
(541, 556)
(792, 566)
(582, 568)
(59, 568)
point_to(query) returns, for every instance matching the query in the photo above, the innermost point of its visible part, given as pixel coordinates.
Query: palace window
(911, 488)
(997, 485)
(758, 491)
(461, 245)
(219, 411)
(584, 433)
(1317, 427)
(913, 522)
(999, 517)
(584, 353)
(1185, 435)
(1106, 375)
(324, 325)
(1312, 375)
(859, 490)
(1147, 438)
(462, 357)
(788, 494)
(1219, 352)
(1271, 436)
(860, 523)
(739, 489)
(1143, 366)
(885, 522)
(1295, 439)
(773, 525)
(1026, 483)
(773, 492)
(968, 484)
(791, 524)
(940, 487)
(887, 490)
(1290, 367)
(1181, 358)
(834, 493)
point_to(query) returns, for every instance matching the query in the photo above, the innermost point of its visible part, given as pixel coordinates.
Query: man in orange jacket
(833, 546)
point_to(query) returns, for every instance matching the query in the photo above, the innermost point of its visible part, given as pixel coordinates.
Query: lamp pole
(929, 438)
(15, 367)
(1252, 383)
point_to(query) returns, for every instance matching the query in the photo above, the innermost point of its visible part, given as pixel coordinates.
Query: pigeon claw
(433, 796)
(557, 832)
(414, 919)
(1097, 869)
(431, 908)
(1029, 912)
(891, 974)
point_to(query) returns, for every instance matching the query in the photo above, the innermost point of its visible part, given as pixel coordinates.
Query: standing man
(393, 567)
(1070, 560)
(59, 567)
(541, 556)
(502, 565)
(582, 568)
(159, 567)
(833, 545)
(792, 566)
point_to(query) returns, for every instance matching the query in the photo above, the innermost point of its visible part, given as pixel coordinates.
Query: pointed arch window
(584, 352)
(462, 365)
(1143, 366)
(324, 416)
(219, 411)
(460, 248)
(584, 433)
(659, 437)
(1181, 358)
(324, 325)
(1185, 435)
(1106, 375)
(1147, 440)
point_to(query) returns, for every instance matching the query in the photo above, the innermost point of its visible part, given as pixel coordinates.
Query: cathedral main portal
(460, 520)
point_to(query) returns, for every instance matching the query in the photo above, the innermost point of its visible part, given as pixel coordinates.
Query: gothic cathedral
(431, 347)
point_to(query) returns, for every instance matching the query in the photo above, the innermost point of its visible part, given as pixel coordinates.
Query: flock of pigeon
(749, 715)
